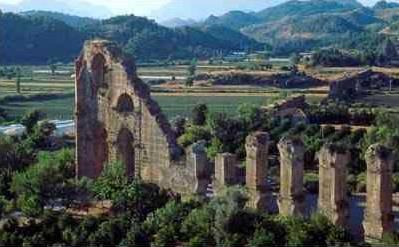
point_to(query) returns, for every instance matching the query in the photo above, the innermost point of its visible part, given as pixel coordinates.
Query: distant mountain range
(178, 22)
(201, 9)
(71, 7)
(292, 26)
(295, 26)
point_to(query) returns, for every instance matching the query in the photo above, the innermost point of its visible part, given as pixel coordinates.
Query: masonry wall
(116, 119)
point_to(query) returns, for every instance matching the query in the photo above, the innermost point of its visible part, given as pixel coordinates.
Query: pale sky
(138, 7)
(146, 7)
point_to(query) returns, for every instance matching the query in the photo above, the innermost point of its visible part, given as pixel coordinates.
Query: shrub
(194, 134)
(49, 179)
(199, 114)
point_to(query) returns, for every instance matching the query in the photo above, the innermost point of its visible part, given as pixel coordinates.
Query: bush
(194, 134)
(31, 119)
(111, 183)
(262, 238)
(51, 178)
(199, 114)
(189, 81)
(132, 197)
(164, 224)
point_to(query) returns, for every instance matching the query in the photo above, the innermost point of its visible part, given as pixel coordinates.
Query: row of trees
(147, 216)
(383, 55)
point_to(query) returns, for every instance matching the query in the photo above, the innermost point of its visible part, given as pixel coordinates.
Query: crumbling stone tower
(257, 148)
(379, 219)
(116, 119)
(333, 199)
(292, 197)
(225, 171)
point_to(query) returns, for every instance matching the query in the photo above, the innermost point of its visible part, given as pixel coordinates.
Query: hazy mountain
(71, 7)
(385, 5)
(71, 20)
(178, 22)
(233, 19)
(305, 8)
(201, 9)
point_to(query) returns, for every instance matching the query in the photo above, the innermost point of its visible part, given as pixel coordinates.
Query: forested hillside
(37, 37)
(292, 27)
(297, 26)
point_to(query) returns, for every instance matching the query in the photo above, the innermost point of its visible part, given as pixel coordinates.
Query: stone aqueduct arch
(116, 119)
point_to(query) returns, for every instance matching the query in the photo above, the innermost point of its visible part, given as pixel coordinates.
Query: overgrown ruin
(353, 85)
(116, 119)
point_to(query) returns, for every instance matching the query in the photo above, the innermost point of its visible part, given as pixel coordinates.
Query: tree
(53, 67)
(199, 114)
(194, 134)
(192, 68)
(164, 224)
(111, 183)
(197, 228)
(31, 119)
(262, 238)
(42, 183)
(18, 81)
(388, 49)
(189, 81)
(179, 125)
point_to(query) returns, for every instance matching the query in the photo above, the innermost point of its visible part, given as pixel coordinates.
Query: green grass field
(38, 80)
(171, 106)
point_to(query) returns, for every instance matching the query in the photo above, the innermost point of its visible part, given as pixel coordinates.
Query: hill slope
(35, 37)
(71, 20)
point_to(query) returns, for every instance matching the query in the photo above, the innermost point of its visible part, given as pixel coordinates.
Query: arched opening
(98, 70)
(100, 149)
(125, 151)
(125, 104)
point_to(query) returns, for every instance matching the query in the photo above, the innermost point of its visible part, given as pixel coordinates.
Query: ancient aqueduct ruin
(116, 119)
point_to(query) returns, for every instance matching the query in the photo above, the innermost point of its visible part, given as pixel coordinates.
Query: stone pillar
(292, 196)
(225, 171)
(257, 148)
(378, 217)
(333, 198)
(200, 168)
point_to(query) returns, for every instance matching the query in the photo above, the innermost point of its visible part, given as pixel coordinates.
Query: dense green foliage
(29, 40)
(224, 221)
(37, 37)
(37, 182)
(43, 183)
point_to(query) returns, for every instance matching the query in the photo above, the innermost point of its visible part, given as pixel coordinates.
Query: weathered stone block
(333, 198)
(292, 197)
(378, 217)
(257, 148)
(225, 171)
